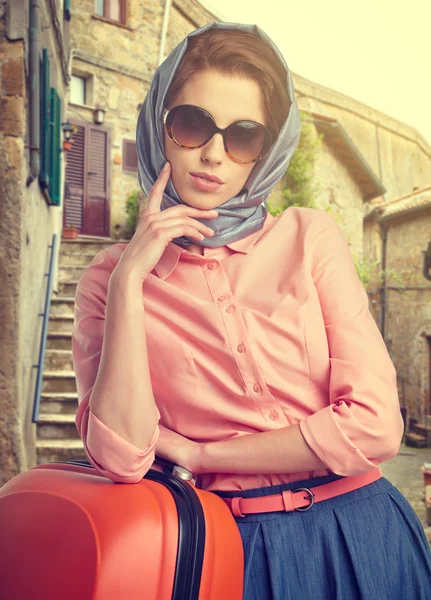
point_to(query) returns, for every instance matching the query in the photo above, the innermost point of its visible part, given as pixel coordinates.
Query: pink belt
(301, 498)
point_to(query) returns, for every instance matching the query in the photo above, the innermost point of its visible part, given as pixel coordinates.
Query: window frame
(106, 11)
(124, 164)
(84, 78)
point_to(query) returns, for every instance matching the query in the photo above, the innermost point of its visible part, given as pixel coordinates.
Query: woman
(265, 371)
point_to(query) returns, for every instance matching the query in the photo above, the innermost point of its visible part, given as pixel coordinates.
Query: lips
(207, 176)
(203, 184)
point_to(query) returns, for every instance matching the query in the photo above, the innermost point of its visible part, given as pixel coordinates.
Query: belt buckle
(311, 497)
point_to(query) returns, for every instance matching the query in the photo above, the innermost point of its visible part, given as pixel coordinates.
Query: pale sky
(376, 51)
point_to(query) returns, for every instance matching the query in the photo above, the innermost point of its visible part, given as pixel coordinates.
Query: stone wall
(27, 223)
(409, 312)
(397, 153)
(12, 127)
(120, 62)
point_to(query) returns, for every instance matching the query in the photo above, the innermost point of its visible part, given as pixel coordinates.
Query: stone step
(67, 288)
(415, 440)
(52, 426)
(48, 451)
(77, 259)
(60, 323)
(420, 429)
(59, 340)
(87, 245)
(424, 431)
(58, 403)
(58, 382)
(62, 305)
(69, 273)
(58, 360)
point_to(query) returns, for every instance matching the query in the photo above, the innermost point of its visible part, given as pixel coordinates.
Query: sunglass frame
(170, 114)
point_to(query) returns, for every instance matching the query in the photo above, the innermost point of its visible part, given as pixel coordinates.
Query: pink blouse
(266, 332)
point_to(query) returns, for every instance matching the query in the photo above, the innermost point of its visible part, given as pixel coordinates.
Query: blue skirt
(367, 544)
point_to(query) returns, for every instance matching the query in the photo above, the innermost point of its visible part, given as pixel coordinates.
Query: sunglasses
(192, 127)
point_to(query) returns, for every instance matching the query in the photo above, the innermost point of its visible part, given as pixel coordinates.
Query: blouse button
(273, 415)
(230, 308)
(212, 265)
(256, 387)
(221, 298)
(241, 348)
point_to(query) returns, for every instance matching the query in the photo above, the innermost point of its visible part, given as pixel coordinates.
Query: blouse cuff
(328, 441)
(116, 457)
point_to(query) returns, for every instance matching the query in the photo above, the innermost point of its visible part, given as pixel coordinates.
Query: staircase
(57, 438)
(420, 437)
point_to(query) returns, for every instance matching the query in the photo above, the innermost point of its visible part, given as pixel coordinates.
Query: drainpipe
(34, 100)
(384, 237)
(167, 10)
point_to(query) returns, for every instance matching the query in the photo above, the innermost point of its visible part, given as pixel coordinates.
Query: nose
(213, 152)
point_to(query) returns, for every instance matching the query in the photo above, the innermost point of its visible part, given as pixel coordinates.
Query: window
(114, 10)
(130, 157)
(50, 133)
(78, 90)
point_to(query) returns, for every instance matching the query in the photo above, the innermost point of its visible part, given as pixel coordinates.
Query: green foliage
(132, 208)
(372, 276)
(299, 187)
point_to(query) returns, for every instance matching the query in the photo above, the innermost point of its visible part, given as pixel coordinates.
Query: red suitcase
(67, 532)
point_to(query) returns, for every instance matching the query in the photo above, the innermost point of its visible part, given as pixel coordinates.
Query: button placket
(220, 289)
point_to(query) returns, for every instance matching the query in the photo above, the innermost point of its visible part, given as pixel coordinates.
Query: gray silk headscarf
(245, 213)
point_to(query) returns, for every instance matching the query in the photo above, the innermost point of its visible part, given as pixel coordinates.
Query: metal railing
(44, 333)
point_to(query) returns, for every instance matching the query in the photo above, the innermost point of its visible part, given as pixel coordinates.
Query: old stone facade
(115, 63)
(368, 160)
(28, 219)
(375, 175)
(404, 315)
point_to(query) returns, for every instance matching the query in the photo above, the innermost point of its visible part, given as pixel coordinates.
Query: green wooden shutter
(68, 9)
(44, 119)
(55, 141)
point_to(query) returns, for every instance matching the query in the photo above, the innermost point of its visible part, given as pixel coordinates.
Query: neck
(195, 249)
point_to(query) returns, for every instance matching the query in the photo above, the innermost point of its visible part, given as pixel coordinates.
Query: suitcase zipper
(191, 533)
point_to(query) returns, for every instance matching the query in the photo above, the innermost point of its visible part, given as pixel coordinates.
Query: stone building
(404, 309)
(375, 176)
(33, 105)
(113, 59)
(101, 70)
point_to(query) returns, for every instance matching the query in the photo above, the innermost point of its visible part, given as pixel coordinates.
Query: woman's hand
(178, 449)
(157, 228)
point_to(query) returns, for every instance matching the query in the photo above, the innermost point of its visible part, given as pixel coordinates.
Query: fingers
(156, 194)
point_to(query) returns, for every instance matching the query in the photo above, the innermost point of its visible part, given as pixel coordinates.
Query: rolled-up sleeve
(109, 453)
(362, 425)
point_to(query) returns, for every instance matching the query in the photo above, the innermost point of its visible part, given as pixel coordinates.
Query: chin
(202, 200)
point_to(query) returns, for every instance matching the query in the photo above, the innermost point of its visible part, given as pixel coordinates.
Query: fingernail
(165, 167)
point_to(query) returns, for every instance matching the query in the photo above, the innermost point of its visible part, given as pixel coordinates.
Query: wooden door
(87, 180)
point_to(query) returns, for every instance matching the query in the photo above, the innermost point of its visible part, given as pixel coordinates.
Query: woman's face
(227, 99)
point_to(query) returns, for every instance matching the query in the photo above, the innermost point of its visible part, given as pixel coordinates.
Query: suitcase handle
(173, 469)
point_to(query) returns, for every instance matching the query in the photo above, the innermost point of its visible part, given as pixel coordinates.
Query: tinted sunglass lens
(191, 127)
(246, 141)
